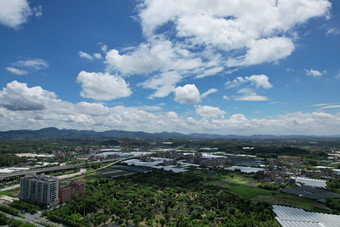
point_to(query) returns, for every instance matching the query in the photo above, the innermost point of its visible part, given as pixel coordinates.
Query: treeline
(5, 221)
(294, 151)
(334, 185)
(334, 204)
(161, 198)
(272, 187)
(11, 160)
(22, 205)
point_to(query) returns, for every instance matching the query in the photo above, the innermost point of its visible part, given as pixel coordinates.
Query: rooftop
(291, 217)
(311, 193)
(245, 169)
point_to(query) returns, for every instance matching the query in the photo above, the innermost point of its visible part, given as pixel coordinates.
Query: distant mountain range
(54, 133)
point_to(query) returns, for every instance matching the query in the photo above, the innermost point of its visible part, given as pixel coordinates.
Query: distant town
(47, 181)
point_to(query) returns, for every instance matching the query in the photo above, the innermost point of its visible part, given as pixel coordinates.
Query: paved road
(41, 170)
(82, 171)
(10, 187)
(32, 218)
(57, 168)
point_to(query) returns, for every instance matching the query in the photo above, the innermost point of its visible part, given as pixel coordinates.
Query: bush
(272, 187)
(9, 210)
(22, 205)
(3, 219)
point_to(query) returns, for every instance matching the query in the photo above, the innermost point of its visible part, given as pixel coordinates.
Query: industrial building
(245, 169)
(316, 183)
(319, 195)
(130, 169)
(68, 189)
(39, 189)
(291, 217)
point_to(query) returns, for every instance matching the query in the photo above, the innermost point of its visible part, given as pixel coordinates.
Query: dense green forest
(161, 198)
(11, 160)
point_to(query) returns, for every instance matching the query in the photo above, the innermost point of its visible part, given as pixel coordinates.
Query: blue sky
(208, 66)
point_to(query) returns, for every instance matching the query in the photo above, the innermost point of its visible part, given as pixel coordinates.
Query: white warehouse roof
(244, 169)
(311, 182)
(294, 217)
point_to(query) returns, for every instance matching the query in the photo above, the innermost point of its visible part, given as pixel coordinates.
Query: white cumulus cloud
(14, 13)
(264, 50)
(187, 94)
(17, 96)
(210, 36)
(102, 86)
(260, 81)
(256, 80)
(34, 108)
(209, 111)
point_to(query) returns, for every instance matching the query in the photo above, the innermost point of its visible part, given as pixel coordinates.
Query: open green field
(247, 189)
(11, 193)
(233, 179)
(247, 192)
(280, 198)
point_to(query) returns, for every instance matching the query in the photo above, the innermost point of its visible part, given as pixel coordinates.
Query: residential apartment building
(39, 189)
(68, 189)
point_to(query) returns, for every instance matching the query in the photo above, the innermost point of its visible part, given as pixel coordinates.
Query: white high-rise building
(39, 189)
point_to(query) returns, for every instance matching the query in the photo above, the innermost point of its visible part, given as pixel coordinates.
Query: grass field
(247, 192)
(11, 193)
(246, 188)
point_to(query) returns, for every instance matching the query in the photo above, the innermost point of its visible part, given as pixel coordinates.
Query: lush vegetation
(22, 205)
(11, 160)
(334, 185)
(9, 210)
(334, 204)
(5, 221)
(273, 187)
(161, 198)
(250, 189)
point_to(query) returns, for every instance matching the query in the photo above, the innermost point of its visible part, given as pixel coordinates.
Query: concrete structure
(68, 189)
(13, 169)
(31, 155)
(156, 163)
(39, 189)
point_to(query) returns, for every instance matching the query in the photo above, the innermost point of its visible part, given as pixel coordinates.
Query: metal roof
(311, 193)
(130, 168)
(244, 169)
(294, 217)
(311, 182)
